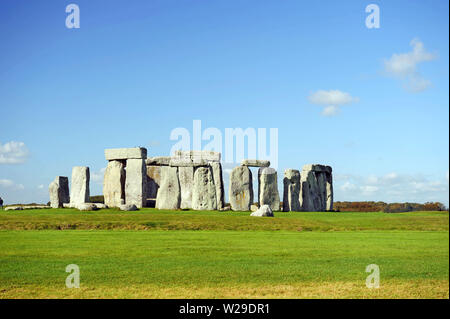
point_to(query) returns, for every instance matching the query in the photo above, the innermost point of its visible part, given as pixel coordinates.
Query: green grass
(229, 255)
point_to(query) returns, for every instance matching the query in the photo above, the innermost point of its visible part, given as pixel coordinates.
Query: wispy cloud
(331, 100)
(13, 153)
(97, 177)
(405, 66)
(10, 185)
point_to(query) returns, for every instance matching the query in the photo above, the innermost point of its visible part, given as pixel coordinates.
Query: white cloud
(40, 186)
(13, 153)
(97, 177)
(405, 66)
(331, 99)
(391, 187)
(9, 184)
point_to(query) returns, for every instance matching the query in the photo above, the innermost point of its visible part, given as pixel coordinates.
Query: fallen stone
(241, 189)
(291, 192)
(169, 193)
(114, 183)
(13, 208)
(112, 154)
(59, 192)
(264, 211)
(136, 182)
(255, 163)
(268, 185)
(158, 160)
(101, 205)
(186, 178)
(218, 181)
(254, 208)
(79, 190)
(86, 206)
(204, 193)
(128, 207)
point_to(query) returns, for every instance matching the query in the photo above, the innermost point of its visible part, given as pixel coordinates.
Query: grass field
(186, 254)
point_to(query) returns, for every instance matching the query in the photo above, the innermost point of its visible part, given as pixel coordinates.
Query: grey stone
(241, 189)
(264, 211)
(204, 193)
(255, 163)
(218, 181)
(268, 182)
(291, 194)
(153, 180)
(86, 206)
(13, 208)
(79, 190)
(125, 153)
(169, 193)
(128, 207)
(158, 160)
(101, 205)
(181, 162)
(59, 192)
(197, 156)
(186, 178)
(254, 208)
(136, 182)
(316, 191)
(114, 183)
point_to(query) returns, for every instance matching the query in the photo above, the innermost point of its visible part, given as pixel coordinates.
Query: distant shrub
(387, 208)
(97, 199)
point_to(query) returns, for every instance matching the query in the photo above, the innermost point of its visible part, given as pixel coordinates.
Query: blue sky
(135, 70)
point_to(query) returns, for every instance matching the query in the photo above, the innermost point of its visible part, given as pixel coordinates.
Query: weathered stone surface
(169, 193)
(79, 190)
(59, 192)
(153, 180)
(255, 163)
(125, 153)
(186, 178)
(114, 183)
(241, 189)
(13, 208)
(254, 208)
(86, 206)
(291, 194)
(101, 205)
(264, 211)
(204, 193)
(268, 185)
(128, 207)
(158, 160)
(197, 156)
(316, 191)
(186, 162)
(136, 182)
(218, 181)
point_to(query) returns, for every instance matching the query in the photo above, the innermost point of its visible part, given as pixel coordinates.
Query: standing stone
(79, 192)
(59, 192)
(269, 188)
(241, 188)
(218, 181)
(136, 182)
(264, 211)
(169, 193)
(291, 192)
(316, 190)
(153, 180)
(204, 193)
(186, 177)
(114, 183)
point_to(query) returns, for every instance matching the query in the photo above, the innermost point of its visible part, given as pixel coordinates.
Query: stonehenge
(194, 180)
(59, 192)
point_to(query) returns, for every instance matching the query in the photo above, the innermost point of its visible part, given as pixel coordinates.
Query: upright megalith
(114, 183)
(136, 182)
(316, 190)
(79, 190)
(59, 192)
(218, 181)
(186, 177)
(204, 192)
(268, 188)
(153, 180)
(169, 194)
(241, 188)
(291, 183)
